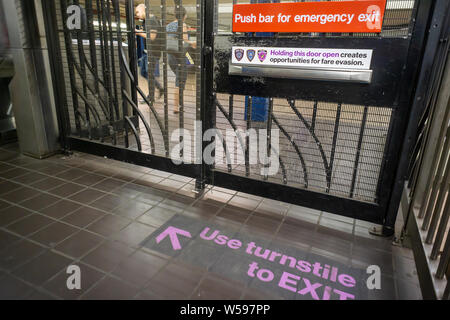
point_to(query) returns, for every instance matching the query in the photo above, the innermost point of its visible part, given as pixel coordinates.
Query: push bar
(359, 76)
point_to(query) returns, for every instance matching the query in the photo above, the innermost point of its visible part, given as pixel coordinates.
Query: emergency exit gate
(340, 143)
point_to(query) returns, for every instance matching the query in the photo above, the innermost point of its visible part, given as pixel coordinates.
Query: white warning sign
(342, 59)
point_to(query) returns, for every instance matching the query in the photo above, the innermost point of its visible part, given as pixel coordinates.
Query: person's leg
(143, 65)
(183, 76)
(176, 98)
(173, 63)
(181, 80)
(155, 75)
(152, 80)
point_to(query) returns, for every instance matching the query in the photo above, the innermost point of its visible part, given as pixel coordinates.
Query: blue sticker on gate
(251, 54)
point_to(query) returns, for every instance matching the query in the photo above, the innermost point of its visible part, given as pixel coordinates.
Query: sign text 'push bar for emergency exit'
(342, 16)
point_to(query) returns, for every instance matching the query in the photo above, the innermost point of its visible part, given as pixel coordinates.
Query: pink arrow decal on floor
(172, 232)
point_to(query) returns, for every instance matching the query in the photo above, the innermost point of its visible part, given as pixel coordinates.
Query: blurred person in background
(177, 54)
(155, 47)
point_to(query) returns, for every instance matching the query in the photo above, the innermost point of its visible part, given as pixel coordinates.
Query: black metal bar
(358, 151)
(445, 257)
(233, 125)
(82, 73)
(56, 65)
(92, 46)
(165, 80)
(131, 156)
(135, 88)
(442, 226)
(93, 65)
(85, 83)
(297, 150)
(213, 138)
(140, 114)
(198, 154)
(125, 96)
(243, 146)
(119, 45)
(426, 277)
(230, 106)
(105, 69)
(225, 148)
(426, 117)
(446, 294)
(333, 146)
(150, 52)
(101, 39)
(115, 100)
(247, 135)
(99, 32)
(411, 85)
(439, 204)
(94, 71)
(269, 135)
(108, 60)
(129, 12)
(413, 166)
(123, 79)
(282, 166)
(105, 58)
(313, 135)
(68, 42)
(208, 103)
(435, 188)
(316, 200)
(314, 116)
(88, 105)
(106, 51)
(181, 69)
(135, 133)
(132, 47)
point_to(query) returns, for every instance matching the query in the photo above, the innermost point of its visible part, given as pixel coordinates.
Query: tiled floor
(95, 213)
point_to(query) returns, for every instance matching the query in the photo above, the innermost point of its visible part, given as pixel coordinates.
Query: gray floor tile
(34, 271)
(13, 289)
(19, 253)
(125, 205)
(30, 224)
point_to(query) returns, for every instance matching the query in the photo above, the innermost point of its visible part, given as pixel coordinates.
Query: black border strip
(133, 157)
(346, 207)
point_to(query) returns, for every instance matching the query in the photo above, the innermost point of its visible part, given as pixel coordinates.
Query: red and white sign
(342, 16)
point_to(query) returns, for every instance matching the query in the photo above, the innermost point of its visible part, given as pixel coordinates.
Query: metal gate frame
(70, 143)
(393, 169)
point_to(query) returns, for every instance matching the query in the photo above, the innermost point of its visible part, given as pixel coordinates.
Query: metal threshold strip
(358, 76)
